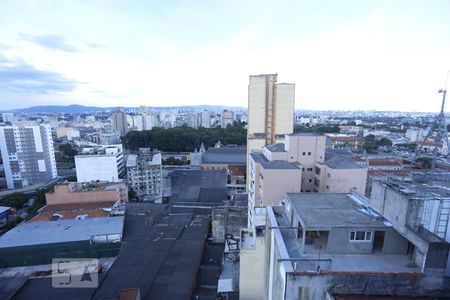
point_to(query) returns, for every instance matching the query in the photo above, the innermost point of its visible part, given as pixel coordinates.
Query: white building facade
(28, 155)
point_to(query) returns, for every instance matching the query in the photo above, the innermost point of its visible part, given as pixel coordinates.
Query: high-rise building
(28, 155)
(119, 122)
(270, 111)
(205, 119)
(8, 117)
(144, 172)
(227, 118)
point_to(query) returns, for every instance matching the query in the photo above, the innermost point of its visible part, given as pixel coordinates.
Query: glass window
(361, 236)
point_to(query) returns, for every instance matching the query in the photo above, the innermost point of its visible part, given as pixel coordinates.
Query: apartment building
(205, 119)
(28, 155)
(100, 163)
(119, 122)
(319, 246)
(344, 141)
(270, 111)
(227, 118)
(144, 172)
(301, 164)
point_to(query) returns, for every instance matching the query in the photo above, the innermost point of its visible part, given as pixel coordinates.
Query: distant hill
(75, 108)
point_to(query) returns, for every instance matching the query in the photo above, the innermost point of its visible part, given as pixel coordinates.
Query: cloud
(49, 41)
(95, 46)
(21, 77)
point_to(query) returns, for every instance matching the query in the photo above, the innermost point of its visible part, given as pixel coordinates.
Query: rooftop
(305, 134)
(225, 155)
(340, 159)
(324, 211)
(355, 263)
(161, 253)
(274, 164)
(61, 231)
(384, 162)
(276, 147)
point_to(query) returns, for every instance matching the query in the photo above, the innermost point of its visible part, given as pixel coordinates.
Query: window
(360, 236)
(317, 171)
(309, 169)
(304, 153)
(309, 153)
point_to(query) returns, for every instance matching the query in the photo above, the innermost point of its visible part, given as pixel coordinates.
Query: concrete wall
(313, 286)
(61, 195)
(252, 282)
(339, 242)
(394, 243)
(93, 167)
(342, 180)
(228, 221)
(277, 182)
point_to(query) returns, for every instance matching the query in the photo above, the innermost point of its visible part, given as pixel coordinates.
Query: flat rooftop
(61, 231)
(274, 164)
(423, 186)
(279, 147)
(356, 263)
(324, 211)
(194, 186)
(161, 253)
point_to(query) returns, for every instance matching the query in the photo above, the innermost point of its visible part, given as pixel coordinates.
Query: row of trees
(372, 143)
(318, 128)
(184, 139)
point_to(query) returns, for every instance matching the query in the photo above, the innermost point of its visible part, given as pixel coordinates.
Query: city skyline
(353, 56)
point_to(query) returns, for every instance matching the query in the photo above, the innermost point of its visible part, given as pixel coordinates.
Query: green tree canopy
(16, 200)
(185, 139)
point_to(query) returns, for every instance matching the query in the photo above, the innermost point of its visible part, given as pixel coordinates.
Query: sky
(342, 55)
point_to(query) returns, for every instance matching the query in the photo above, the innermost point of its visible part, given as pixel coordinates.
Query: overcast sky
(384, 55)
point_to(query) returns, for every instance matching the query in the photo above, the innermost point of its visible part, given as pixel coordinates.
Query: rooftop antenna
(439, 128)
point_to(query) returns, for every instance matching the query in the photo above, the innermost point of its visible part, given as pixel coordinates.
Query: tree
(68, 151)
(370, 143)
(383, 142)
(424, 162)
(131, 193)
(173, 161)
(16, 200)
(185, 139)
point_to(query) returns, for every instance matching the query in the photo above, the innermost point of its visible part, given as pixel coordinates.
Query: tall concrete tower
(119, 122)
(270, 111)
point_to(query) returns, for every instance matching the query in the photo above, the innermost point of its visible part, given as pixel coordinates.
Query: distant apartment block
(68, 132)
(144, 172)
(344, 141)
(28, 155)
(119, 122)
(8, 117)
(205, 119)
(227, 118)
(100, 163)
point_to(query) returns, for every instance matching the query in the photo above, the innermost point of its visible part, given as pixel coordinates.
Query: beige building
(75, 192)
(270, 111)
(301, 164)
(227, 118)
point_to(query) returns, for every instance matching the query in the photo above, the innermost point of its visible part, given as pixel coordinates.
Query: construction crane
(439, 129)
